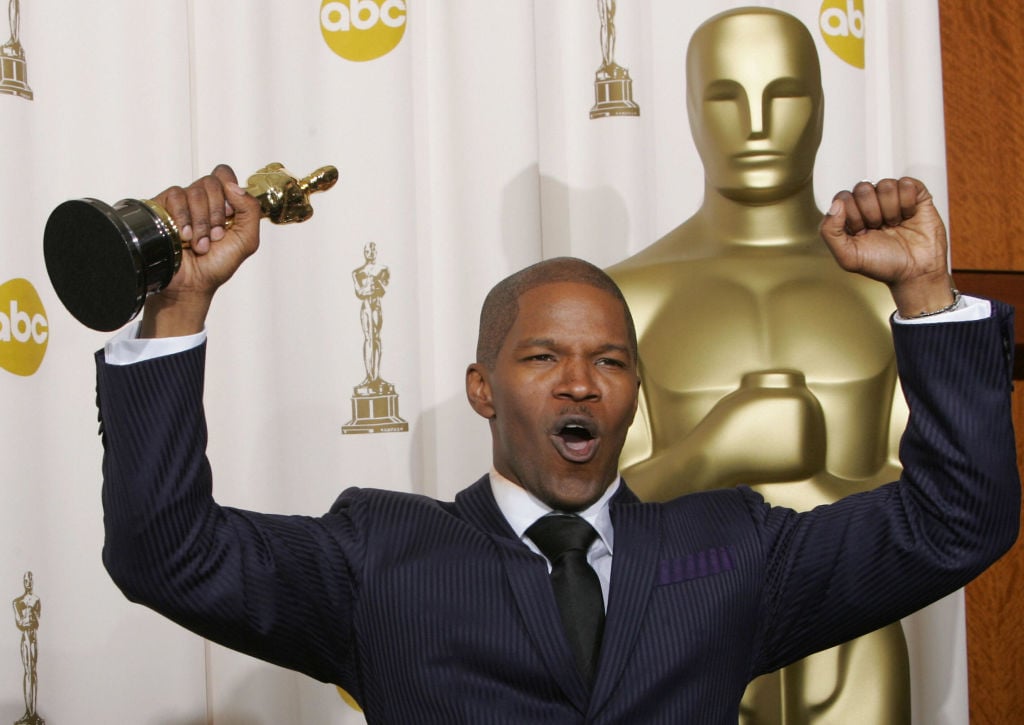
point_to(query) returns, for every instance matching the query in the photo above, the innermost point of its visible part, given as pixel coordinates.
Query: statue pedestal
(13, 74)
(613, 94)
(375, 413)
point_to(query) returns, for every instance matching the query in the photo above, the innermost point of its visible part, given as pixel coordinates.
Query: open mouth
(576, 439)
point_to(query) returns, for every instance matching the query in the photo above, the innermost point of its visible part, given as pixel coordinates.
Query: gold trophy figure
(27, 609)
(13, 74)
(370, 282)
(613, 88)
(104, 260)
(762, 361)
(374, 401)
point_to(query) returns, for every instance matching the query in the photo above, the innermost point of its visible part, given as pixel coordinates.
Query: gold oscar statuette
(27, 609)
(374, 401)
(104, 260)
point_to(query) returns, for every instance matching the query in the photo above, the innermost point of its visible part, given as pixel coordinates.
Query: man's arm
(254, 582)
(841, 570)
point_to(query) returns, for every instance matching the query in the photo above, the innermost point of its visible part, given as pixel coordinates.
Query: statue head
(755, 103)
(370, 251)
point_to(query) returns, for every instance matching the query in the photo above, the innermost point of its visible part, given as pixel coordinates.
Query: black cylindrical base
(104, 260)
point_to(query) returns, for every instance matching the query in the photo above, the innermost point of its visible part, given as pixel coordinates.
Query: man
(435, 612)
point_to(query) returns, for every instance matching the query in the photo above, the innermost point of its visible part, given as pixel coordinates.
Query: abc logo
(24, 330)
(842, 26)
(362, 29)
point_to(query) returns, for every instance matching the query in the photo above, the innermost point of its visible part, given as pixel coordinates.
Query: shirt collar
(521, 508)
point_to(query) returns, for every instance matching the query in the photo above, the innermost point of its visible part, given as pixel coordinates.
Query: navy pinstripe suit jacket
(433, 612)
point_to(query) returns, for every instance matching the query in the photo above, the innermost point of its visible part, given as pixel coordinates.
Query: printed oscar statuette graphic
(374, 401)
(13, 70)
(104, 260)
(613, 88)
(27, 609)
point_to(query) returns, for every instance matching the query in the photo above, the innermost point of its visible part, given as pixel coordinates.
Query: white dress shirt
(521, 509)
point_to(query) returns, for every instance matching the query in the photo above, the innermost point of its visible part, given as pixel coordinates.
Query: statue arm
(756, 434)
(362, 280)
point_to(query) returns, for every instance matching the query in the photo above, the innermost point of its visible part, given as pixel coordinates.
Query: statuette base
(375, 413)
(613, 93)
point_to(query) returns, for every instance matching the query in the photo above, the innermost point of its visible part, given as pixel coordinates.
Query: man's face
(561, 395)
(755, 105)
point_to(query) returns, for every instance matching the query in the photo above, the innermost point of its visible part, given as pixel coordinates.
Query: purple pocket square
(695, 565)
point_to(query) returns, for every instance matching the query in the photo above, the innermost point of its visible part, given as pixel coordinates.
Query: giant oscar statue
(762, 362)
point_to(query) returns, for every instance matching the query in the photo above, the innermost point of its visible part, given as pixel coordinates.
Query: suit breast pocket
(696, 565)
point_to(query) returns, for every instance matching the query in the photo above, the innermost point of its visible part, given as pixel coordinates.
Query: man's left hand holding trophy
(220, 222)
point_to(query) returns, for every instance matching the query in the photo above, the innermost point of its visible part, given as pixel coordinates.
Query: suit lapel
(637, 529)
(531, 587)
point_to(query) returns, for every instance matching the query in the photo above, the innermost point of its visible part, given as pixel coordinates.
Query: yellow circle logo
(24, 330)
(842, 27)
(362, 29)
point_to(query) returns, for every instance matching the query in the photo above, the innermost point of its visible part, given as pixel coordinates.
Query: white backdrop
(466, 151)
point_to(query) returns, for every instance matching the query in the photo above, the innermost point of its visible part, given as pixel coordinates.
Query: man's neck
(520, 508)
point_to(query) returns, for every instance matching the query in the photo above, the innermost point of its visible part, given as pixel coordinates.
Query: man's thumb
(246, 219)
(833, 224)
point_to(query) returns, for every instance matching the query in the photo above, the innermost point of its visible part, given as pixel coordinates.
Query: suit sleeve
(282, 588)
(845, 569)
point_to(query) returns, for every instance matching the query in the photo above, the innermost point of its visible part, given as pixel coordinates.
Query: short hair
(501, 306)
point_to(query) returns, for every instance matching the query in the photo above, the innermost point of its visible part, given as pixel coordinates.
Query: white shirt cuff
(971, 308)
(126, 348)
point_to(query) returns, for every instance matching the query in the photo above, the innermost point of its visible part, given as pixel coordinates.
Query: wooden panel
(983, 54)
(1005, 286)
(983, 74)
(995, 627)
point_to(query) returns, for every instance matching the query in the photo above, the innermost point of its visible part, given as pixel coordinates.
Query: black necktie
(564, 540)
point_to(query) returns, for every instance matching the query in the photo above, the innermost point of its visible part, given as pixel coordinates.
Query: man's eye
(610, 361)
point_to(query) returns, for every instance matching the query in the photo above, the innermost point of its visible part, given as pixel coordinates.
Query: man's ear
(478, 390)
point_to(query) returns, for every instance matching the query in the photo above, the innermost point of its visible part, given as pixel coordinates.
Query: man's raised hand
(216, 249)
(891, 232)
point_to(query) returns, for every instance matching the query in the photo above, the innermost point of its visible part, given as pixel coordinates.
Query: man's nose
(577, 381)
